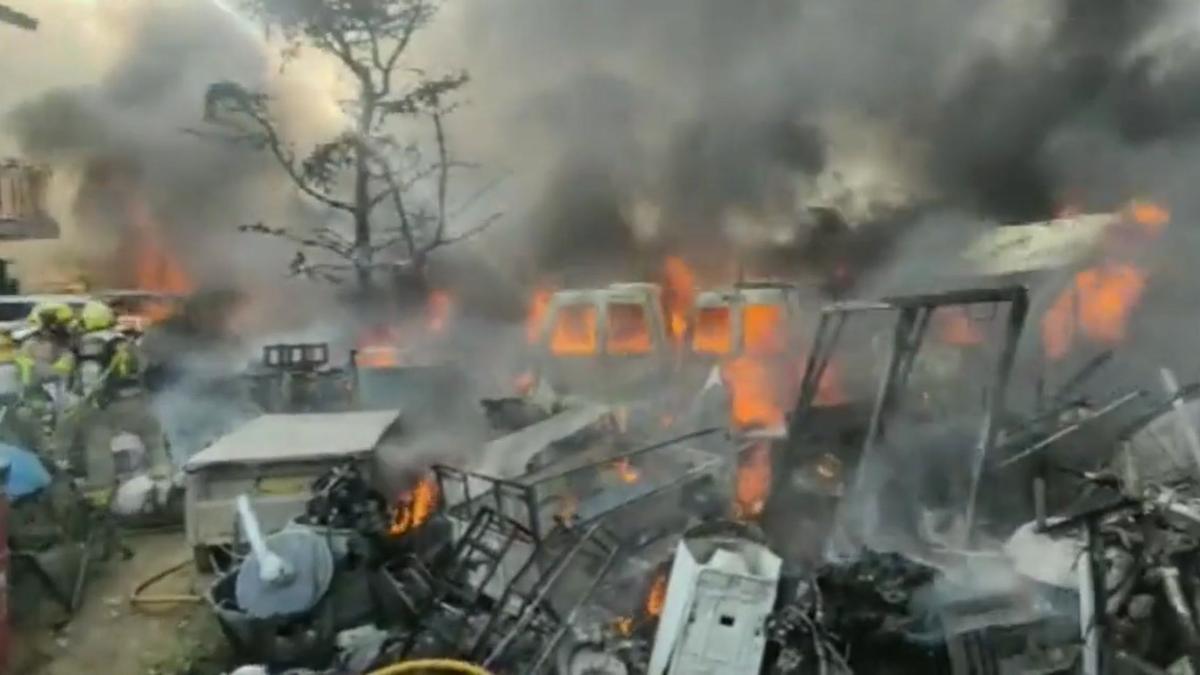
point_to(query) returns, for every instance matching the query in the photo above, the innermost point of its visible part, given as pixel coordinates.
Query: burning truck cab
(607, 344)
(750, 318)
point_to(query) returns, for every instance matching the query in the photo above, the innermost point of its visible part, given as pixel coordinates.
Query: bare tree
(389, 172)
(19, 19)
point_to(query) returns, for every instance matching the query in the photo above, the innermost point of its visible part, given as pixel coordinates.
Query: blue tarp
(26, 474)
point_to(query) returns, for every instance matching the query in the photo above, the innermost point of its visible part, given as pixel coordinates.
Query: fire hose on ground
(141, 601)
(419, 665)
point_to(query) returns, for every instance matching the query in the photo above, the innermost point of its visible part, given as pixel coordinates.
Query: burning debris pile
(739, 427)
(791, 544)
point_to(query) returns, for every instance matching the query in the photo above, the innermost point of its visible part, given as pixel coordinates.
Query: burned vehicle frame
(797, 453)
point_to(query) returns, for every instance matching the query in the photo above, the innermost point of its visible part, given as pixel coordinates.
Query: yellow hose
(140, 600)
(431, 664)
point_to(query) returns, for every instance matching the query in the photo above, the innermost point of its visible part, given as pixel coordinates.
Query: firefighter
(45, 364)
(112, 404)
(10, 374)
(10, 387)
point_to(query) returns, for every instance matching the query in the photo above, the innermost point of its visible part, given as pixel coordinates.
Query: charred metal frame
(914, 314)
(522, 605)
(499, 493)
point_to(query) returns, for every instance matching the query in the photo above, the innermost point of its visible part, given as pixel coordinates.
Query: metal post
(1092, 600)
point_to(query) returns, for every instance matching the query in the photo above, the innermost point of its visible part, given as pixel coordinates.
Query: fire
(757, 385)
(753, 481)
(628, 332)
(623, 625)
(713, 332)
(537, 310)
(157, 270)
(379, 348)
(154, 268)
(956, 327)
(626, 471)
(763, 382)
(415, 507)
(574, 331)
(657, 596)
(438, 308)
(679, 293)
(1097, 305)
(754, 393)
(1152, 217)
(763, 330)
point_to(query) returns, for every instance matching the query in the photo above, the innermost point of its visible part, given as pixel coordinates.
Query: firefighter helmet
(51, 315)
(96, 315)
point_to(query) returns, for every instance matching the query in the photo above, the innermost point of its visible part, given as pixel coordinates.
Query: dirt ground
(110, 635)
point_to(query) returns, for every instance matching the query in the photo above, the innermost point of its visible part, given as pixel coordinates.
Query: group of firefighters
(71, 389)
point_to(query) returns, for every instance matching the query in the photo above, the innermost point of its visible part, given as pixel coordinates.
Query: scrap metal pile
(722, 481)
(590, 538)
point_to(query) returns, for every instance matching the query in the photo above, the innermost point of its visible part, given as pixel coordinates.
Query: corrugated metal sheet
(309, 436)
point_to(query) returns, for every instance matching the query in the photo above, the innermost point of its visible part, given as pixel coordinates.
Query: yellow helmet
(49, 315)
(97, 315)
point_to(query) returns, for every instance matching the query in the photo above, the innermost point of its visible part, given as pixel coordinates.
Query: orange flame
(628, 330)
(754, 393)
(154, 268)
(657, 596)
(679, 293)
(753, 481)
(379, 348)
(763, 381)
(574, 331)
(1098, 305)
(763, 329)
(623, 625)
(1100, 300)
(438, 307)
(1152, 217)
(626, 471)
(757, 386)
(538, 303)
(415, 507)
(956, 327)
(713, 332)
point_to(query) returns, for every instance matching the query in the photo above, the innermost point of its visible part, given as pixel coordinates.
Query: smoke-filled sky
(631, 125)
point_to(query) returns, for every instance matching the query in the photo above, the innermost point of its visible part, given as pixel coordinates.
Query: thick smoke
(122, 151)
(629, 128)
(754, 124)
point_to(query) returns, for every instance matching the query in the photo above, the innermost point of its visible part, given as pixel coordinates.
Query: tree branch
(443, 174)
(253, 107)
(487, 222)
(419, 12)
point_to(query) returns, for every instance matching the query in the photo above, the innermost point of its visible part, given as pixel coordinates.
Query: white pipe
(272, 569)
